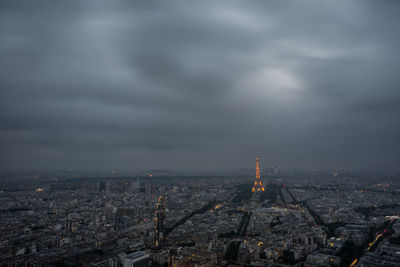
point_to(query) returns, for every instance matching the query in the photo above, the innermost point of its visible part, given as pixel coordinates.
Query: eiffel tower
(257, 187)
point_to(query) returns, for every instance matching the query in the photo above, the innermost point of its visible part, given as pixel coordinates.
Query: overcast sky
(199, 85)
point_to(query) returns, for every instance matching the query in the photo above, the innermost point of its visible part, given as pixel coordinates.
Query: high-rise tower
(159, 225)
(257, 187)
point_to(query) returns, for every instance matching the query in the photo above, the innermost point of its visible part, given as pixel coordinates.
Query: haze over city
(199, 133)
(199, 85)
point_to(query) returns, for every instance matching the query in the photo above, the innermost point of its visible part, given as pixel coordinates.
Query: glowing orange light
(257, 183)
(353, 263)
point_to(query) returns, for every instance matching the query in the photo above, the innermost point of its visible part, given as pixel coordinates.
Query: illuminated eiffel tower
(257, 187)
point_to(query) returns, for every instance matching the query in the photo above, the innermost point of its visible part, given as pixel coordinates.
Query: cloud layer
(199, 85)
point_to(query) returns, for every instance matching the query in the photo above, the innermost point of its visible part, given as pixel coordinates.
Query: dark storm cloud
(206, 84)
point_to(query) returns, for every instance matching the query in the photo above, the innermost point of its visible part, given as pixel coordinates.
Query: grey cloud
(202, 85)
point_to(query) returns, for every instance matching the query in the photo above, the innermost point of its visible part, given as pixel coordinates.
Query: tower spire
(159, 225)
(257, 187)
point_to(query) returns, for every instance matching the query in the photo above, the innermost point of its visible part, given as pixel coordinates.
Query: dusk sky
(199, 85)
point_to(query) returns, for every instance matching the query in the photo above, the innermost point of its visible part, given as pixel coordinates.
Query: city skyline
(129, 131)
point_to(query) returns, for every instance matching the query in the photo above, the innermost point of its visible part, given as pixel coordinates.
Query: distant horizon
(209, 171)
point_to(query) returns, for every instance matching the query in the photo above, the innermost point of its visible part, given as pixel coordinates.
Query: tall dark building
(159, 226)
(101, 187)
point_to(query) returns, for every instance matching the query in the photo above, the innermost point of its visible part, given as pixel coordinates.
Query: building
(136, 259)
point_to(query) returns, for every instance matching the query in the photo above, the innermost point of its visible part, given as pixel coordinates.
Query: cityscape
(229, 133)
(337, 218)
